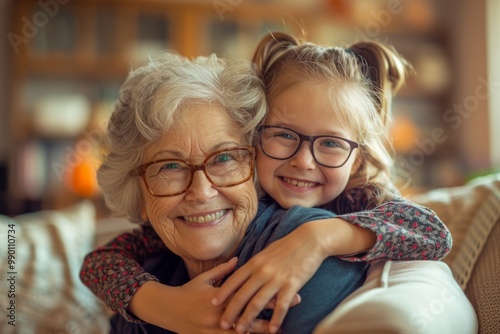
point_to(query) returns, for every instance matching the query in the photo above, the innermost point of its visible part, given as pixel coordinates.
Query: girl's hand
(280, 271)
(187, 308)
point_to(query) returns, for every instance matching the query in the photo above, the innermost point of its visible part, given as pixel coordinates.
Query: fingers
(257, 304)
(230, 286)
(282, 304)
(216, 274)
(259, 326)
(238, 302)
(295, 301)
(252, 298)
(253, 308)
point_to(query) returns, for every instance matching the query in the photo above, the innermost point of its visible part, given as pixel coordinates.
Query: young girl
(338, 100)
(321, 100)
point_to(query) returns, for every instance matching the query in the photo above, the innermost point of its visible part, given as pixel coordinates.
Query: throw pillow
(46, 250)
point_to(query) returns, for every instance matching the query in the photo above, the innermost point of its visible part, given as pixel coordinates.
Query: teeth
(299, 183)
(205, 219)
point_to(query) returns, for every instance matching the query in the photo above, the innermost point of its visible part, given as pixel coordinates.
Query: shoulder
(363, 198)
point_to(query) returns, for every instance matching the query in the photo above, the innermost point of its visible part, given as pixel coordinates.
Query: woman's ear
(144, 213)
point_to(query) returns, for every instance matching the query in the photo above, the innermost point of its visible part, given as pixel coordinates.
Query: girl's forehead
(331, 97)
(320, 107)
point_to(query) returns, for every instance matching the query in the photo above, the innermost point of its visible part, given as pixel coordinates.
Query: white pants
(404, 297)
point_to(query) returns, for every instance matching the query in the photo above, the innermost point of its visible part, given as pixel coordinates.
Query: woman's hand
(188, 308)
(279, 271)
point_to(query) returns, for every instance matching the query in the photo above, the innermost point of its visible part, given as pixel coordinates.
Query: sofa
(41, 292)
(472, 213)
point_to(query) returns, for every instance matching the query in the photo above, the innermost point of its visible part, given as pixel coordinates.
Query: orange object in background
(81, 179)
(404, 134)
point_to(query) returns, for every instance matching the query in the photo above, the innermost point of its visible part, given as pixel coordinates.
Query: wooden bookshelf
(86, 47)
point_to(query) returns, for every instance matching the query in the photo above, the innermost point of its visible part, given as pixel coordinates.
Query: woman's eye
(223, 157)
(170, 166)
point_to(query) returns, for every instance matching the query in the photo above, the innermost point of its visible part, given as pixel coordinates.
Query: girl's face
(300, 180)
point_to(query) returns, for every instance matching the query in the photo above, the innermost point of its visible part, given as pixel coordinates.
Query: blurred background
(62, 63)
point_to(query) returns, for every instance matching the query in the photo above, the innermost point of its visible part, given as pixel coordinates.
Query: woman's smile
(201, 220)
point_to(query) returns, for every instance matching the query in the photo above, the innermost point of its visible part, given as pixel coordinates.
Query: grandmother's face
(206, 222)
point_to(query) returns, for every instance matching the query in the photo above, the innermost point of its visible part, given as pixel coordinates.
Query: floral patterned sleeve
(114, 273)
(405, 230)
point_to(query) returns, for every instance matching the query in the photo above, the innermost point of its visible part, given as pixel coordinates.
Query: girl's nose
(304, 158)
(201, 189)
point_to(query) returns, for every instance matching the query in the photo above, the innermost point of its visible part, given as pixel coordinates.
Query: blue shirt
(334, 280)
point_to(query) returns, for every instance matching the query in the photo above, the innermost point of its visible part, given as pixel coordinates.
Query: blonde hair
(363, 78)
(154, 94)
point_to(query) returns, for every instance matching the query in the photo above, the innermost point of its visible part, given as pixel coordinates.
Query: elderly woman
(179, 159)
(178, 156)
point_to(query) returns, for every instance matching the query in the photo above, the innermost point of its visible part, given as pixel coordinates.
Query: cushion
(470, 212)
(483, 287)
(404, 297)
(47, 249)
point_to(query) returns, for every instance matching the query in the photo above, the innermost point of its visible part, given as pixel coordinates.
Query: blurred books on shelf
(64, 79)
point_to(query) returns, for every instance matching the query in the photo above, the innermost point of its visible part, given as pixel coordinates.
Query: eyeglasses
(281, 143)
(223, 168)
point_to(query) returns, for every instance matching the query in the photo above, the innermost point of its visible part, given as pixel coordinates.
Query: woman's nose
(304, 158)
(201, 189)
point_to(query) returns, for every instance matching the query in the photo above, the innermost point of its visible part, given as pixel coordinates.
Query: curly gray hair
(150, 99)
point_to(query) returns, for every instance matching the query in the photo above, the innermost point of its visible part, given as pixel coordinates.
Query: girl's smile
(299, 183)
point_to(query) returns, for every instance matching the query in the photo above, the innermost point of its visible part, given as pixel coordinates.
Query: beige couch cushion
(472, 213)
(483, 288)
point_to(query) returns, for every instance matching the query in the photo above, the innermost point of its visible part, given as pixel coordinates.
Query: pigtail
(385, 70)
(270, 48)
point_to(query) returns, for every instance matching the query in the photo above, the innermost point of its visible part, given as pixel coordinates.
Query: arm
(186, 308)
(285, 265)
(399, 230)
(405, 231)
(113, 272)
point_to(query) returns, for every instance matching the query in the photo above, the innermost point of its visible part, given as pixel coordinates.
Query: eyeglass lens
(283, 143)
(223, 168)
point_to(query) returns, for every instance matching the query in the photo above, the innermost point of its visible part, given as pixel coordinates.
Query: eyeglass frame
(311, 139)
(141, 170)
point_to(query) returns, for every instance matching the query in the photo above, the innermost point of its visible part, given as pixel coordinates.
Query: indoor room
(63, 63)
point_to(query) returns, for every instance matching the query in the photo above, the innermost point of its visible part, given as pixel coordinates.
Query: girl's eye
(330, 143)
(285, 135)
